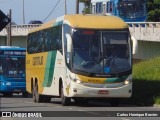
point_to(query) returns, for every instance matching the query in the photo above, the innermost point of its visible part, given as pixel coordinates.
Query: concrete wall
(145, 31)
(16, 41)
(147, 50)
(2, 40)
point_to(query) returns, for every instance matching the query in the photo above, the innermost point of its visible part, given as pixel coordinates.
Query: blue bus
(128, 10)
(12, 71)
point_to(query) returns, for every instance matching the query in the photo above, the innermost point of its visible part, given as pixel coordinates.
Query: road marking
(80, 110)
(125, 119)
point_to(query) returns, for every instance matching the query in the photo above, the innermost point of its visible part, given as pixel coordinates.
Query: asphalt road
(92, 111)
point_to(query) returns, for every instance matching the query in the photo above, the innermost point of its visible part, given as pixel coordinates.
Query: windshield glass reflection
(100, 51)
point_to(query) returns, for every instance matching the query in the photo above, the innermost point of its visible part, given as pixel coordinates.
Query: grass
(146, 82)
(147, 70)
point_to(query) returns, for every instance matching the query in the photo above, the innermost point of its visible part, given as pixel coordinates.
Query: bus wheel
(36, 96)
(33, 94)
(24, 94)
(64, 100)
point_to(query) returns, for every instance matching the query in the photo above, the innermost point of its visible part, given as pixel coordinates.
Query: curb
(156, 105)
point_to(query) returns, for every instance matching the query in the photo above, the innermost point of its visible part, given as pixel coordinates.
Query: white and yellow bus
(79, 57)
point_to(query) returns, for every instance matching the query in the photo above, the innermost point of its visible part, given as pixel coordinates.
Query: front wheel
(64, 100)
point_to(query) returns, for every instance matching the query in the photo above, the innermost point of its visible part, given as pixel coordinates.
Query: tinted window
(45, 40)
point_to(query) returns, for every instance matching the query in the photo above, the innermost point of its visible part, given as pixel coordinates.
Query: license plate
(103, 92)
(17, 90)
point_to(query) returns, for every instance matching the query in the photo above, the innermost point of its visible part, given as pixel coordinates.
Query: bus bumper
(78, 90)
(13, 87)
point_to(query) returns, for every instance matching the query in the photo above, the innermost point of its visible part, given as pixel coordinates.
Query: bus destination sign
(12, 52)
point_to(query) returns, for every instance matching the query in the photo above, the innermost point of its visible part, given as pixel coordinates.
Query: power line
(51, 11)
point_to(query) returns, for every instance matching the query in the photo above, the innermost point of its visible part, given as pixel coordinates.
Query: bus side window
(97, 7)
(48, 41)
(100, 7)
(59, 38)
(110, 7)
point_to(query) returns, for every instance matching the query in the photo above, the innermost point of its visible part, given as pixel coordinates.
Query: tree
(87, 6)
(153, 9)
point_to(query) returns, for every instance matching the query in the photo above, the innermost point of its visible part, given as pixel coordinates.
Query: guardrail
(145, 31)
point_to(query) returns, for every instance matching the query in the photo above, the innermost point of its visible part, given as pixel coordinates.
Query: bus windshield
(103, 52)
(131, 10)
(12, 67)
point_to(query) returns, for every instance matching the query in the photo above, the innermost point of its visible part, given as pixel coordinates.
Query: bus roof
(11, 48)
(86, 21)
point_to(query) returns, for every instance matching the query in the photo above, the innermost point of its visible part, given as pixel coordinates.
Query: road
(91, 111)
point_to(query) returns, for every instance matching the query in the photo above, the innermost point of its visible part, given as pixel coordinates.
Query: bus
(79, 57)
(12, 71)
(128, 10)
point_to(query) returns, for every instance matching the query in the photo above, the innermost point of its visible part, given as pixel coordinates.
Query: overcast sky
(36, 9)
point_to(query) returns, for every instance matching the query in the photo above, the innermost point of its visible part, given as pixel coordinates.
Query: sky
(37, 9)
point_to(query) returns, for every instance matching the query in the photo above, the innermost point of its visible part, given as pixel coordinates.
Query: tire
(33, 95)
(64, 100)
(36, 96)
(24, 94)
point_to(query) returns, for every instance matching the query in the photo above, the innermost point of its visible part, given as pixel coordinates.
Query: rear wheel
(36, 96)
(64, 100)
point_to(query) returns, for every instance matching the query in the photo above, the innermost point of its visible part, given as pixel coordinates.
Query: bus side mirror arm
(134, 45)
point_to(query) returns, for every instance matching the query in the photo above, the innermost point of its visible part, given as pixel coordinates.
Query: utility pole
(65, 7)
(9, 40)
(77, 6)
(23, 13)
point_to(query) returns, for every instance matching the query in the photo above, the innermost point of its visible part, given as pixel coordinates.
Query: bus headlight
(8, 83)
(78, 81)
(75, 80)
(126, 82)
(1, 83)
(129, 80)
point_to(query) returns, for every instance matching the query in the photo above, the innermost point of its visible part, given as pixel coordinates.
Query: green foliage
(147, 70)
(154, 15)
(87, 3)
(146, 82)
(153, 8)
(157, 100)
